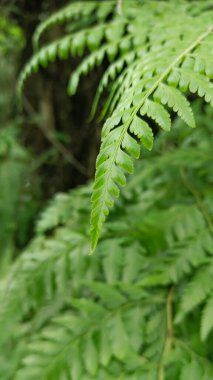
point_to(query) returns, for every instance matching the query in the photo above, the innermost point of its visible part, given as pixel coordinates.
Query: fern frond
(196, 291)
(154, 69)
(75, 43)
(189, 253)
(196, 82)
(78, 332)
(175, 100)
(112, 156)
(73, 12)
(95, 59)
(111, 163)
(158, 113)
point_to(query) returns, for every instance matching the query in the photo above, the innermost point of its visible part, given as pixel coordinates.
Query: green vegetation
(150, 73)
(140, 308)
(15, 197)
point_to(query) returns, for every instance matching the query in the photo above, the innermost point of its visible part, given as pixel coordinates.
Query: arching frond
(158, 54)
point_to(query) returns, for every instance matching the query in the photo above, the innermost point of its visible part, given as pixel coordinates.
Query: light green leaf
(105, 346)
(158, 113)
(132, 264)
(115, 31)
(94, 38)
(78, 43)
(196, 291)
(173, 97)
(109, 295)
(142, 130)
(191, 371)
(90, 356)
(119, 338)
(207, 319)
(112, 260)
(73, 84)
(88, 308)
(76, 365)
(198, 83)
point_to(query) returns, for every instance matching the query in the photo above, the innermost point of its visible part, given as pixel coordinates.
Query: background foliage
(142, 306)
(148, 284)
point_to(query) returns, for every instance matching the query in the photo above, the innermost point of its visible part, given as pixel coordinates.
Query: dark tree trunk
(61, 123)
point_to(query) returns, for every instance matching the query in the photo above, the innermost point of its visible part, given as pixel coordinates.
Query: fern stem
(119, 7)
(169, 333)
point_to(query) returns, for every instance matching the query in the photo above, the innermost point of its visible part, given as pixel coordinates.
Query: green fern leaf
(175, 100)
(76, 368)
(90, 355)
(198, 83)
(72, 12)
(142, 131)
(110, 74)
(109, 295)
(161, 93)
(119, 338)
(196, 292)
(112, 261)
(203, 63)
(105, 348)
(132, 266)
(111, 162)
(207, 320)
(157, 113)
(94, 59)
(74, 44)
(191, 371)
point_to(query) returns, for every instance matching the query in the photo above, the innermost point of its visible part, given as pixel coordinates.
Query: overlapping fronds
(158, 54)
(74, 13)
(132, 311)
